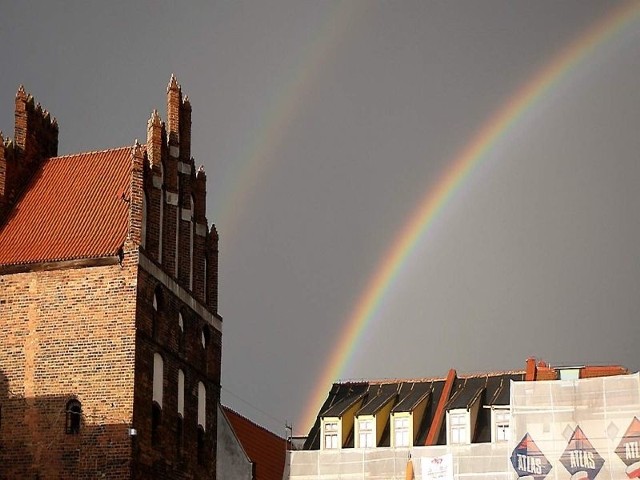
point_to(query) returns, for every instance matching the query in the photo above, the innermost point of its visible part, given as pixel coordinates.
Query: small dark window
(180, 435)
(206, 336)
(201, 455)
(158, 305)
(182, 326)
(74, 416)
(156, 419)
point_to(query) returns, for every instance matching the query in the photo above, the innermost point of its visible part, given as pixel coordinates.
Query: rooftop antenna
(288, 431)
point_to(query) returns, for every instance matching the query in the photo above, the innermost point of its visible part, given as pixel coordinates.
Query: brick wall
(181, 349)
(67, 334)
(89, 333)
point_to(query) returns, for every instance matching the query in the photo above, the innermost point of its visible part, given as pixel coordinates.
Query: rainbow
(446, 187)
(282, 108)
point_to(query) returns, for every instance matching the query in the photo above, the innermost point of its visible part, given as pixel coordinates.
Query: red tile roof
(73, 208)
(264, 448)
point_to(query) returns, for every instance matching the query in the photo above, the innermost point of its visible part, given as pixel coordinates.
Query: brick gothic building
(110, 338)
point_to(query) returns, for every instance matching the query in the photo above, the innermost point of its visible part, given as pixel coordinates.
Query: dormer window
(501, 418)
(458, 427)
(367, 434)
(401, 431)
(331, 435)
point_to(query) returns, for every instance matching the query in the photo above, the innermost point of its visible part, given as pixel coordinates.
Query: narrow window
(201, 455)
(180, 435)
(181, 393)
(158, 380)
(202, 406)
(192, 229)
(178, 208)
(180, 420)
(157, 308)
(74, 416)
(205, 295)
(156, 420)
(143, 226)
(181, 335)
(161, 219)
(205, 336)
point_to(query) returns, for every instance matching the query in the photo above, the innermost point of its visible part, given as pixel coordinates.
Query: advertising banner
(440, 468)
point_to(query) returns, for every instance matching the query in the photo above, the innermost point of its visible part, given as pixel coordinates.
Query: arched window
(161, 219)
(143, 225)
(156, 406)
(181, 335)
(202, 406)
(73, 416)
(158, 304)
(158, 378)
(202, 421)
(181, 393)
(180, 420)
(205, 336)
(205, 295)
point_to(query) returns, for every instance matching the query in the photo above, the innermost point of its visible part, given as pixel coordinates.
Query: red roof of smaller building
(264, 448)
(76, 206)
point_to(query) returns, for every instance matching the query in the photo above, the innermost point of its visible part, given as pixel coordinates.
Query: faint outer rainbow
(461, 167)
(282, 109)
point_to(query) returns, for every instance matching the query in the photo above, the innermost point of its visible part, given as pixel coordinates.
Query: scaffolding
(558, 430)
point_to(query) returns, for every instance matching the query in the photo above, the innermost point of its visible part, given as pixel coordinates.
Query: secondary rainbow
(460, 168)
(281, 110)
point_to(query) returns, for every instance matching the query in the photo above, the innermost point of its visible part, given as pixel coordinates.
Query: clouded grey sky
(322, 124)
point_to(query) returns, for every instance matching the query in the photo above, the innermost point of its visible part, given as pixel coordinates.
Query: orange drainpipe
(436, 424)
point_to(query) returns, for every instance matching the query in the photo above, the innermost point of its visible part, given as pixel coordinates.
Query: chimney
(36, 139)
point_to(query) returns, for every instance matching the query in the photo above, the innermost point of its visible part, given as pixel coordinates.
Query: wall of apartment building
(67, 334)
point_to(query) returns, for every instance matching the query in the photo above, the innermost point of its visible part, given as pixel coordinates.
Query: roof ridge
(491, 374)
(229, 409)
(382, 381)
(93, 152)
(430, 379)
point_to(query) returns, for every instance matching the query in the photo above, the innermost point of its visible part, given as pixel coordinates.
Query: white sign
(437, 467)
